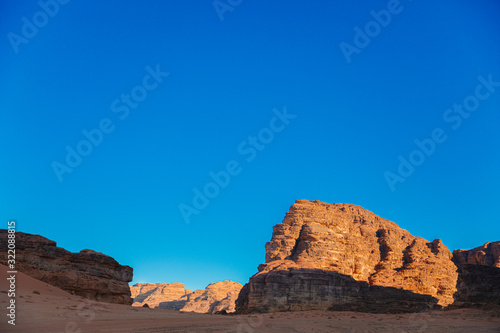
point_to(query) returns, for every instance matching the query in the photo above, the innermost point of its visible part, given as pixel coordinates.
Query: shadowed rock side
(90, 274)
(354, 242)
(478, 282)
(218, 296)
(314, 289)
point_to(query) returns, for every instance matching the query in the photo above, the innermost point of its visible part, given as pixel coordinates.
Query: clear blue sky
(352, 122)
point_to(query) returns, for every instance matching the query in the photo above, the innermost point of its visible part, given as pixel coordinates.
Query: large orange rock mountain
(342, 256)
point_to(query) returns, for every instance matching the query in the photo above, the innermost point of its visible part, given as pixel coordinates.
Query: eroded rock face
(486, 255)
(88, 273)
(153, 294)
(349, 241)
(479, 276)
(218, 296)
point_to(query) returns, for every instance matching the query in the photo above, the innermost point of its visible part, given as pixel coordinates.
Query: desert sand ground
(41, 307)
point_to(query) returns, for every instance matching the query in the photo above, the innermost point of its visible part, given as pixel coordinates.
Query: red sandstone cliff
(88, 273)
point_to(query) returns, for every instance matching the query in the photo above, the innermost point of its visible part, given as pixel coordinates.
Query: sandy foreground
(41, 307)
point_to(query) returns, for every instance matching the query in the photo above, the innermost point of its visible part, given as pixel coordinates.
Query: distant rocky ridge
(217, 297)
(88, 273)
(153, 294)
(344, 257)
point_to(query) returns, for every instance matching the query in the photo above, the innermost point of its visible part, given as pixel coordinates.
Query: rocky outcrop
(478, 282)
(88, 273)
(486, 255)
(153, 294)
(217, 297)
(341, 255)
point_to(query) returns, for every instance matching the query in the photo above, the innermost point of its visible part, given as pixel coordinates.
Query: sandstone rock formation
(88, 273)
(486, 255)
(343, 256)
(217, 297)
(479, 276)
(153, 294)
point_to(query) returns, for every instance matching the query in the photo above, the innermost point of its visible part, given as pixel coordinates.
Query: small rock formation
(155, 293)
(341, 256)
(88, 273)
(479, 276)
(217, 297)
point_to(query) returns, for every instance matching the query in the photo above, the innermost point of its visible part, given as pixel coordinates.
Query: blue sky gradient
(352, 122)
